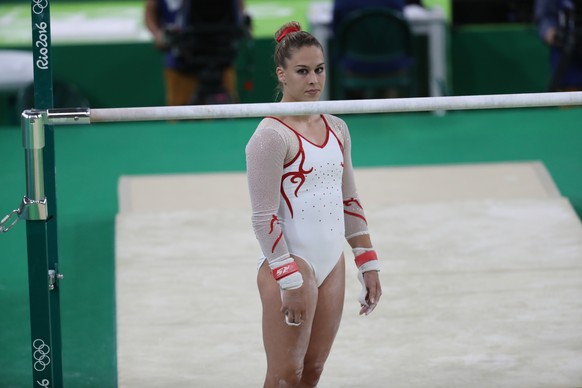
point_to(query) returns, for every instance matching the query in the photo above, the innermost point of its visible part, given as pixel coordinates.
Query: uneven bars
(189, 112)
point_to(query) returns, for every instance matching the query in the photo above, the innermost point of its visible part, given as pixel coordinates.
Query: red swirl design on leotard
(295, 177)
(275, 220)
(348, 203)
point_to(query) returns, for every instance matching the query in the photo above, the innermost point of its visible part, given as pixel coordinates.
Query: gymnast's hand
(294, 306)
(371, 291)
(368, 268)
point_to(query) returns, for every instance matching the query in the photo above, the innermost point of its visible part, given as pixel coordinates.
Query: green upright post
(43, 271)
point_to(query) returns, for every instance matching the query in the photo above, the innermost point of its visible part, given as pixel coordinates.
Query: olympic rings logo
(39, 6)
(41, 352)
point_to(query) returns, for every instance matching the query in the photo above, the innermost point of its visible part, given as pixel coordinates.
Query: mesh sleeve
(265, 157)
(354, 218)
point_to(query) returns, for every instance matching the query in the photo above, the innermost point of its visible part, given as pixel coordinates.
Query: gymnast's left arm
(358, 236)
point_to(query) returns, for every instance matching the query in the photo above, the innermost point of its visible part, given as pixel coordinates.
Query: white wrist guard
(286, 273)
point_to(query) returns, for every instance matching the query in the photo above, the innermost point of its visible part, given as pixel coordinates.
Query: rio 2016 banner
(41, 46)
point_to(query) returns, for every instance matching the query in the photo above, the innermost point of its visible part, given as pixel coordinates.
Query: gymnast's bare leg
(296, 354)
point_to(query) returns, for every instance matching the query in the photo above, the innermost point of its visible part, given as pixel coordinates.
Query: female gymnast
(304, 205)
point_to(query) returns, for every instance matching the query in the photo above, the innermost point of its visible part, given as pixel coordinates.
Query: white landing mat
(482, 278)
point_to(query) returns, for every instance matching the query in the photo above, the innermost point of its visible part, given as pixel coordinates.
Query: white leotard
(311, 209)
(303, 195)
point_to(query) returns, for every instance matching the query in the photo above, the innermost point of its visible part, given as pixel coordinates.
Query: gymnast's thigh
(284, 344)
(328, 314)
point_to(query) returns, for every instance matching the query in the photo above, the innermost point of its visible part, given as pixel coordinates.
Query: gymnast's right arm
(265, 156)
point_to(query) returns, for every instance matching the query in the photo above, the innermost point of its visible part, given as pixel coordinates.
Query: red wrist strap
(365, 257)
(285, 270)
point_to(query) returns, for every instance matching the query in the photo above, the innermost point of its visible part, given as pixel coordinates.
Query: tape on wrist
(291, 282)
(285, 270)
(367, 261)
(286, 273)
(365, 257)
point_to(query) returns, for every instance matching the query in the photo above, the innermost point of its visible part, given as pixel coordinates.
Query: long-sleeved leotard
(303, 195)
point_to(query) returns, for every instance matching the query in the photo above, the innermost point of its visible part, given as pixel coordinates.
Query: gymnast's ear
(280, 74)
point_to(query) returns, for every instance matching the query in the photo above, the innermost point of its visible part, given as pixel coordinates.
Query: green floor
(90, 160)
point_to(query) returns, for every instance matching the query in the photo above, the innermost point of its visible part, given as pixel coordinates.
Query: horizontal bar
(496, 101)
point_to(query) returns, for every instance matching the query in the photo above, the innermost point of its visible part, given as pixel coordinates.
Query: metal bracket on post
(68, 116)
(54, 278)
(33, 141)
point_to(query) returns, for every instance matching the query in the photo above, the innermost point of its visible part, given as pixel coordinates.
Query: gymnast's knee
(287, 378)
(311, 374)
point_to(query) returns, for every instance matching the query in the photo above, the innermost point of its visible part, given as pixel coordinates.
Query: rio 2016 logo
(42, 40)
(39, 6)
(41, 355)
(44, 383)
(42, 44)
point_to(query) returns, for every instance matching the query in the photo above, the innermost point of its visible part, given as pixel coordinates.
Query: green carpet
(90, 160)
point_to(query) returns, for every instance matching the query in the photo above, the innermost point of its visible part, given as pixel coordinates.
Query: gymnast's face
(304, 77)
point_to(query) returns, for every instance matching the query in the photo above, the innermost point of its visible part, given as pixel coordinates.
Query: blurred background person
(199, 41)
(342, 8)
(559, 26)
